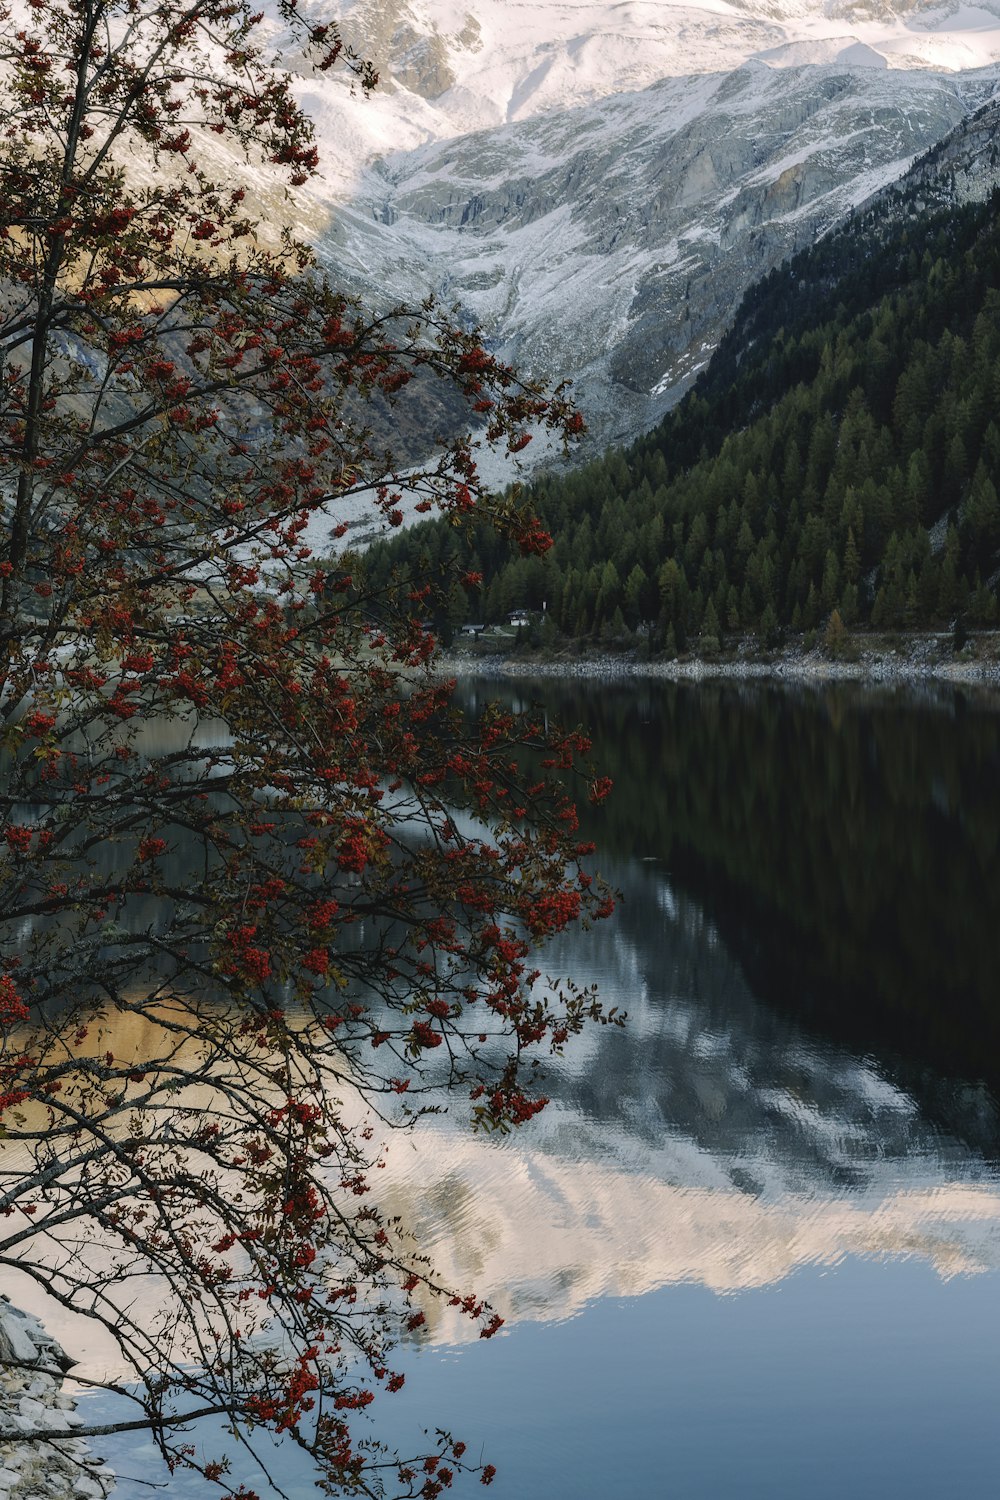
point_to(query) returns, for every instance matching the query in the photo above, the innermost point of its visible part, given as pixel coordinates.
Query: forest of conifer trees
(839, 455)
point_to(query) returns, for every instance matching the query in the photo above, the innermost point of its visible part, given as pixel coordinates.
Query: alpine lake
(752, 1247)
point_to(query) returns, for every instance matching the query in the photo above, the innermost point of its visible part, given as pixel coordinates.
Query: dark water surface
(753, 1246)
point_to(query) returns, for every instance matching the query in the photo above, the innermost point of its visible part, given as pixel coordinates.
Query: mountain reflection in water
(713, 1140)
(807, 950)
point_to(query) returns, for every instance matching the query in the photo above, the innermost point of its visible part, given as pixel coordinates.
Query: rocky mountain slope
(613, 242)
(597, 184)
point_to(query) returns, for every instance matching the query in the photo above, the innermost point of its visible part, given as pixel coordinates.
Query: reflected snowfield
(709, 1142)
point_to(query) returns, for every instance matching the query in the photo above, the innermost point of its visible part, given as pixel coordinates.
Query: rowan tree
(258, 877)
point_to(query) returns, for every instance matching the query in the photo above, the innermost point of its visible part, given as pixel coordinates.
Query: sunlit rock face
(597, 184)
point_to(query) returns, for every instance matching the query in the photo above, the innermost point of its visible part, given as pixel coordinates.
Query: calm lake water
(753, 1246)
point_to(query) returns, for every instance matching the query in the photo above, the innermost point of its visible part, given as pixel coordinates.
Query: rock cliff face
(613, 242)
(963, 167)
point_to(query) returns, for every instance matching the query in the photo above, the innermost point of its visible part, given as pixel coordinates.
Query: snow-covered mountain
(613, 242)
(597, 184)
(452, 66)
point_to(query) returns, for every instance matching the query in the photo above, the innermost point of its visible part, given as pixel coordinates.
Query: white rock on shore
(58, 1465)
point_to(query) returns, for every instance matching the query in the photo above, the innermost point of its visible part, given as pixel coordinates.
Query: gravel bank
(919, 661)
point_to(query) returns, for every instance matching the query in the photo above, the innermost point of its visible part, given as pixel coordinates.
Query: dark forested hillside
(841, 453)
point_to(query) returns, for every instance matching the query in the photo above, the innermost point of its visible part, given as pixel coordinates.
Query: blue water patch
(870, 1380)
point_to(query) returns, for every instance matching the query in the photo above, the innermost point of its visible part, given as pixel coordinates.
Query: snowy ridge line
(449, 67)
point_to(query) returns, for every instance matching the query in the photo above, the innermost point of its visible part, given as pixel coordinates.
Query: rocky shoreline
(920, 660)
(40, 1457)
